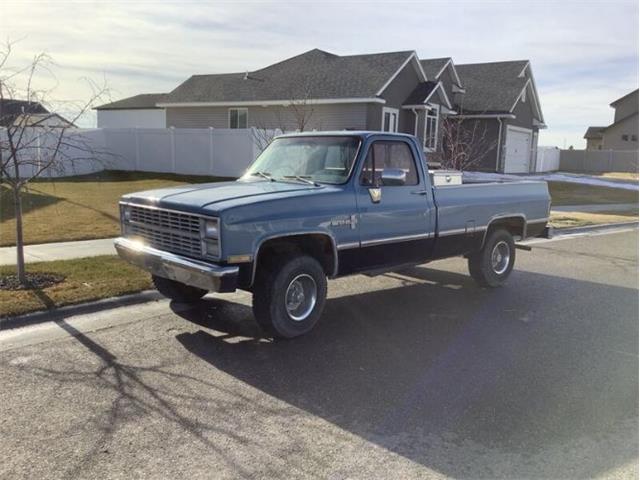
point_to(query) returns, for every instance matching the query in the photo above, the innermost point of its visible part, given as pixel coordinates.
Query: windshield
(306, 159)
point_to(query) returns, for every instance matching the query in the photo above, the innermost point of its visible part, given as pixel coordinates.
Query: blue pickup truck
(323, 205)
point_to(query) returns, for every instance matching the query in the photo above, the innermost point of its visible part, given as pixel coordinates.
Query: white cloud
(584, 54)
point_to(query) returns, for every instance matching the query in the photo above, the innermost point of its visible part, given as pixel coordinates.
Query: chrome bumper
(175, 267)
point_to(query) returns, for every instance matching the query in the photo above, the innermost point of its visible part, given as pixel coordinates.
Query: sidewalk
(59, 251)
(600, 207)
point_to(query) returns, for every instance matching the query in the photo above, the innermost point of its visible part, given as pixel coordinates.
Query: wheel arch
(515, 224)
(321, 245)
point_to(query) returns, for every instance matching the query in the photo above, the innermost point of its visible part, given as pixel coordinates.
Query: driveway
(412, 375)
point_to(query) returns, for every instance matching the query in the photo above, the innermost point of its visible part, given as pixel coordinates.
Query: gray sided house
(394, 91)
(622, 134)
(316, 90)
(501, 99)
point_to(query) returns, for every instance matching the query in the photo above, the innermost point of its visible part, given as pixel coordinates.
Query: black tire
(490, 271)
(274, 281)
(177, 291)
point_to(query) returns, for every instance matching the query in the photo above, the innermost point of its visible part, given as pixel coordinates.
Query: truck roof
(344, 133)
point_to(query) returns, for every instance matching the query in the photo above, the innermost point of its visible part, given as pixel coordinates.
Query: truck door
(396, 220)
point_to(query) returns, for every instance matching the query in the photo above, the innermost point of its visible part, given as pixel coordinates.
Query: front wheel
(491, 266)
(288, 297)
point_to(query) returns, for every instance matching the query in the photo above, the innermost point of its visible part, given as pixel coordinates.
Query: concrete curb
(593, 228)
(8, 323)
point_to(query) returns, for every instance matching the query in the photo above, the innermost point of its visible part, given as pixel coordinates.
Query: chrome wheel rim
(301, 296)
(500, 256)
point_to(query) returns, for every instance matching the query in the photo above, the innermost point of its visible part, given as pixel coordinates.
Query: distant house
(30, 114)
(394, 91)
(137, 111)
(622, 134)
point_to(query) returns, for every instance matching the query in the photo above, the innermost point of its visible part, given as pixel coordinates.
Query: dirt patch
(34, 281)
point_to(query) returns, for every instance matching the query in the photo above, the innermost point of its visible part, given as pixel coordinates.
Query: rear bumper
(211, 277)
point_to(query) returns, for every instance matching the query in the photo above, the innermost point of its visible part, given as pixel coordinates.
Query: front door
(395, 221)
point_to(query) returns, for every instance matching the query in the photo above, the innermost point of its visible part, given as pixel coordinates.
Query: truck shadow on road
(452, 376)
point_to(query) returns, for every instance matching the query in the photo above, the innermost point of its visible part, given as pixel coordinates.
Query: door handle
(419, 192)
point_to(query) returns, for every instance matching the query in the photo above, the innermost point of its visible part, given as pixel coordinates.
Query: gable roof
(492, 87)
(423, 92)
(144, 100)
(11, 109)
(594, 132)
(624, 97)
(315, 74)
(433, 68)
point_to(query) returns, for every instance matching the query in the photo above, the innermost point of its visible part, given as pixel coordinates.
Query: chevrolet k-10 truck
(323, 205)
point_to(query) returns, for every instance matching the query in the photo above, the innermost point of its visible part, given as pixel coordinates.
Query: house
(137, 111)
(622, 134)
(501, 101)
(29, 114)
(394, 91)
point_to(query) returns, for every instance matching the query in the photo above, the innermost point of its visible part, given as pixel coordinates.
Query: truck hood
(209, 196)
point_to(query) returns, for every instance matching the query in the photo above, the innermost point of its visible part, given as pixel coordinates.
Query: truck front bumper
(211, 277)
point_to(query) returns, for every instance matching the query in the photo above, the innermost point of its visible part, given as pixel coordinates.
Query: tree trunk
(17, 206)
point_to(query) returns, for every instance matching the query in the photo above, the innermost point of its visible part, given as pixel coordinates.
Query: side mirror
(394, 177)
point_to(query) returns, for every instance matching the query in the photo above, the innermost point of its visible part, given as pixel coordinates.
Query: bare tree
(295, 115)
(34, 142)
(465, 143)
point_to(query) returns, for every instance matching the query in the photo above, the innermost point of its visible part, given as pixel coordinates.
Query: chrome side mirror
(394, 177)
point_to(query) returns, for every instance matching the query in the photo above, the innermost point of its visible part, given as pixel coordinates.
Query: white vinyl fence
(218, 152)
(547, 159)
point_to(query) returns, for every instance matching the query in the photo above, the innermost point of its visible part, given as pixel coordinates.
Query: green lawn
(564, 193)
(86, 279)
(78, 208)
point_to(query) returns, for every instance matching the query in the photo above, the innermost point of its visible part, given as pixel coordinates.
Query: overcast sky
(584, 53)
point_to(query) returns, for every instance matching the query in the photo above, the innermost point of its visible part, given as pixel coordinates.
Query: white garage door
(517, 152)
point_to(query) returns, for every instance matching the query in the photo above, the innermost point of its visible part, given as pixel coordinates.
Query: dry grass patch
(620, 175)
(85, 279)
(79, 208)
(583, 219)
(565, 193)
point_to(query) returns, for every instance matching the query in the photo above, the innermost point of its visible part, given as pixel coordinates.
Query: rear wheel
(289, 296)
(491, 266)
(177, 291)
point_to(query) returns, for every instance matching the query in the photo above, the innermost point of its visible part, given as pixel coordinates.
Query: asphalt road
(412, 375)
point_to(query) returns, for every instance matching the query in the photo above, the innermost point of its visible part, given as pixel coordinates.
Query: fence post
(137, 161)
(611, 160)
(211, 150)
(172, 139)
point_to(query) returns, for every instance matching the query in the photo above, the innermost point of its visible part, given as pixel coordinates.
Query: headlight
(126, 214)
(211, 229)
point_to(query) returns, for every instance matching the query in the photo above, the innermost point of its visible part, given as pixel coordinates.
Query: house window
(625, 138)
(431, 129)
(390, 119)
(634, 138)
(238, 118)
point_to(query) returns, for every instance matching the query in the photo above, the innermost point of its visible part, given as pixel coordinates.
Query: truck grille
(166, 230)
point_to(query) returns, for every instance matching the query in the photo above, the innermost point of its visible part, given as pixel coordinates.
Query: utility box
(440, 178)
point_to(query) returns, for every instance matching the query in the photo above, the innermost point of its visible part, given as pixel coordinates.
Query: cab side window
(385, 154)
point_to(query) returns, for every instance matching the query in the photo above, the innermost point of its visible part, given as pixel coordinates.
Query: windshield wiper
(302, 178)
(266, 175)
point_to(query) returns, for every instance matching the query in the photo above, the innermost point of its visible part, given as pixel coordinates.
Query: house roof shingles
(11, 109)
(491, 87)
(315, 74)
(420, 93)
(142, 101)
(432, 66)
